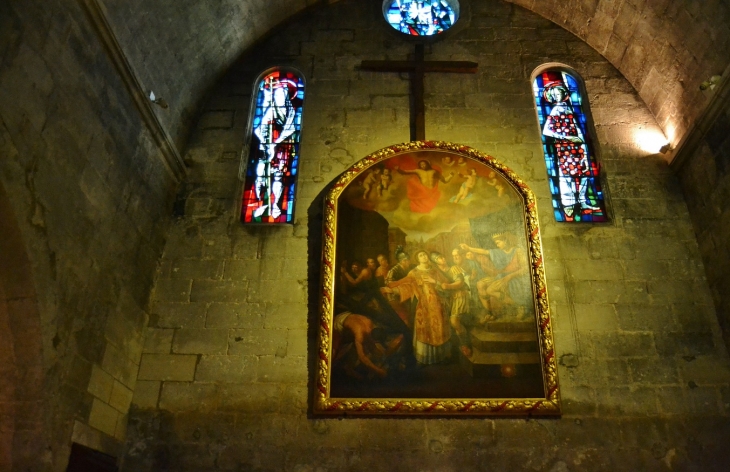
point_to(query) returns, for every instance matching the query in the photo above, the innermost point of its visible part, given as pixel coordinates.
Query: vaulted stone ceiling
(665, 48)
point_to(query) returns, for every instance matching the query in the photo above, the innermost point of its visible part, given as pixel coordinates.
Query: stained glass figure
(572, 170)
(273, 161)
(421, 17)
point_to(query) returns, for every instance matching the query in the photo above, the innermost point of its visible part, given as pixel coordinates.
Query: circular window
(421, 17)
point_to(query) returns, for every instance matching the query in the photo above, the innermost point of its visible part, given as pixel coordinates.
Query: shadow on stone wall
(22, 406)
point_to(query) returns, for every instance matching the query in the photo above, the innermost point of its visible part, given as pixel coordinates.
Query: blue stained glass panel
(421, 17)
(270, 180)
(573, 172)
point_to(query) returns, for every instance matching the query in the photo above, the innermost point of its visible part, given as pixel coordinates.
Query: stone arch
(21, 397)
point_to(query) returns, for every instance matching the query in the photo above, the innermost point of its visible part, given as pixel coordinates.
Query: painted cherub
(372, 180)
(467, 186)
(492, 181)
(386, 178)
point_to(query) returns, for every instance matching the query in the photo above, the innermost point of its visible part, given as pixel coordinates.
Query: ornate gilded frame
(324, 404)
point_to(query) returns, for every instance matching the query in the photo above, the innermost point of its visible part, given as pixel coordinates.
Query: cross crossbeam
(417, 69)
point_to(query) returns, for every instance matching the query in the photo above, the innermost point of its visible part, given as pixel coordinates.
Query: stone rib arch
(664, 49)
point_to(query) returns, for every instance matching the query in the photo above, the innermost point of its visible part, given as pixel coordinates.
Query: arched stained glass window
(273, 153)
(573, 172)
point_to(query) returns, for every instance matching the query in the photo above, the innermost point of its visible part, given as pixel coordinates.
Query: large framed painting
(433, 297)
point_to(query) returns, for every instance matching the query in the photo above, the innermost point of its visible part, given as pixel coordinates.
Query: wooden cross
(417, 69)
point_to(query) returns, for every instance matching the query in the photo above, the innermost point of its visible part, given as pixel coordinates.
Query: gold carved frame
(324, 404)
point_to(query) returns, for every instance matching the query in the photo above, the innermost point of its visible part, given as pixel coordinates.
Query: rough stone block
(644, 269)
(294, 399)
(178, 315)
(257, 342)
(595, 317)
(172, 290)
(610, 292)
(298, 342)
(100, 384)
(120, 367)
(672, 401)
(626, 401)
(120, 434)
(226, 369)
(686, 343)
(158, 340)
(273, 291)
(597, 270)
(188, 396)
(704, 400)
(615, 345)
(189, 269)
(250, 398)
(216, 119)
(103, 417)
(247, 269)
(645, 317)
(694, 317)
(121, 398)
(200, 341)
(705, 370)
(386, 437)
(218, 291)
(146, 394)
(285, 315)
(578, 401)
(177, 367)
(282, 370)
(660, 371)
(235, 315)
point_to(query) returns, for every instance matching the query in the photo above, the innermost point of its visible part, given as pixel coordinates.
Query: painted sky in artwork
(424, 200)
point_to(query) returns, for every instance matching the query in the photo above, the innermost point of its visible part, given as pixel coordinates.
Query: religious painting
(573, 172)
(433, 291)
(273, 149)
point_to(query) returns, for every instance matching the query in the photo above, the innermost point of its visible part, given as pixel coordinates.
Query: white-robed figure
(570, 149)
(276, 126)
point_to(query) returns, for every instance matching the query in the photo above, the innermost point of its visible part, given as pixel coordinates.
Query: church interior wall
(664, 48)
(226, 368)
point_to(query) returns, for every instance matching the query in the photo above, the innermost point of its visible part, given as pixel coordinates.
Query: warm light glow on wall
(671, 133)
(650, 140)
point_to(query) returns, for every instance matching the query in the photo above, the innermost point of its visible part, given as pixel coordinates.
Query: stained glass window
(573, 172)
(421, 17)
(273, 160)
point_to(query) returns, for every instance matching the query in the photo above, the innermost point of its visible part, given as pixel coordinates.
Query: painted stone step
(510, 326)
(490, 364)
(499, 358)
(504, 342)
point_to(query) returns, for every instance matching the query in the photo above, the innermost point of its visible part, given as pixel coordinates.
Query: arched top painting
(573, 172)
(421, 17)
(273, 152)
(433, 290)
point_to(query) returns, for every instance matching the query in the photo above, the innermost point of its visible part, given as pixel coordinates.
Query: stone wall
(225, 377)
(197, 40)
(89, 194)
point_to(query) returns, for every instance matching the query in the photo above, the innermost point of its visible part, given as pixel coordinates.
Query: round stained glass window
(421, 17)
